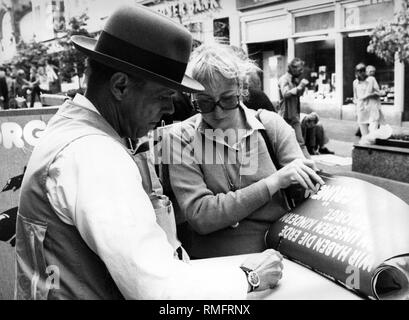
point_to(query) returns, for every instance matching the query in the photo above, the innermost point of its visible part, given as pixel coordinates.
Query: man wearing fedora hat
(86, 227)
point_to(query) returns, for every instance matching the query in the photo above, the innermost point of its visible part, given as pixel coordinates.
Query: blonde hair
(370, 68)
(211, 60)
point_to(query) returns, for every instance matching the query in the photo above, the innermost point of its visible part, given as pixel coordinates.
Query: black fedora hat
(137, 40)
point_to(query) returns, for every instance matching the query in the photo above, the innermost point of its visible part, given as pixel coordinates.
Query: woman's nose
(218, 111)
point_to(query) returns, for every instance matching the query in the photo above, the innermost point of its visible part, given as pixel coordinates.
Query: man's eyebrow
(164, 91)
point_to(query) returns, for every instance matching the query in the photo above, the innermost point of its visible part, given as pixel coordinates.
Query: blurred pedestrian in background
(313, 134)
(256, 98)
(43, 80)
(291, 87)
(34, 86)
(52, 77)
(4, 92)
(19, 87)
(367, 100)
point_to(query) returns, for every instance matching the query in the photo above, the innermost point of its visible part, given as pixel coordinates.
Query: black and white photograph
(199, 151)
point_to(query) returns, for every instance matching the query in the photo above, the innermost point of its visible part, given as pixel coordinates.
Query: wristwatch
(252, 278)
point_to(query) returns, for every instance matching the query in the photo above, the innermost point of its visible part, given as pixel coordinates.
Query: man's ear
(118, 84)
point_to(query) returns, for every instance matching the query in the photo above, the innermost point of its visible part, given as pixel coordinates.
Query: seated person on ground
(314, 134)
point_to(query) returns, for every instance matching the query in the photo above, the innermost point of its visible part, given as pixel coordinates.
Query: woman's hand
(300, 171)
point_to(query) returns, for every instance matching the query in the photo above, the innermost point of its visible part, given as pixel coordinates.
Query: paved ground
(342, 136)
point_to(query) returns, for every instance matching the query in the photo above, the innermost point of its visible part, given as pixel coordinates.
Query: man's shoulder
(96, 147)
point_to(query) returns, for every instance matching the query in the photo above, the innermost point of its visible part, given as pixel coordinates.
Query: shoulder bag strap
(268, 143)
(273, 157)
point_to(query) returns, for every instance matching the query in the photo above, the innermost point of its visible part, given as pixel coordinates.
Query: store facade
(331, 37)
(207, 20)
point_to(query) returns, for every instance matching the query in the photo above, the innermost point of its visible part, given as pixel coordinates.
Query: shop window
(355, 51)
(271, 58)
(368, 14)
(405, 116)
(58, 10)
(196, 29)
(317, 21)
(319, 69)
(221, 30)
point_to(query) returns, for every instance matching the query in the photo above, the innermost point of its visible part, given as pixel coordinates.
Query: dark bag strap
(270, 148)
(293, 195)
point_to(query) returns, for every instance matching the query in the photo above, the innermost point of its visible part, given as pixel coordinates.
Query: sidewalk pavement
(342, 135)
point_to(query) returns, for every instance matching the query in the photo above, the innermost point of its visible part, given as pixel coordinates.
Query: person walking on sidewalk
(4, 92)
(291, 87)
(366, 98)
(86, 228)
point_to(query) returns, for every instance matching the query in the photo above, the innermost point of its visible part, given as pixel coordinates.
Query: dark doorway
(355, 51)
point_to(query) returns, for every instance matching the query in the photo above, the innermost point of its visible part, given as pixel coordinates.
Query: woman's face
(361, 74)
(220, 90)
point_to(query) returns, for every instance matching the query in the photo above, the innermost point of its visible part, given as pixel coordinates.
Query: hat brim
(87, 46)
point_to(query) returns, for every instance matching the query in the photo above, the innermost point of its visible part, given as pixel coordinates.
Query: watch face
(254, 279)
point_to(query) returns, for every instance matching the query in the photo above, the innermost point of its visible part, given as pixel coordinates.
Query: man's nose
(168, 108)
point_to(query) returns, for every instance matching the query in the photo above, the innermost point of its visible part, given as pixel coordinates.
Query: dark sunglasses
(360, 70)
(208, 105)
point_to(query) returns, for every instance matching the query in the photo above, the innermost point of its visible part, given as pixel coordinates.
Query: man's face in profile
(143, 107)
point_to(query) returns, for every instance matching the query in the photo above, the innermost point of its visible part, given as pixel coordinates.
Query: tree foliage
(72, 62)
(392, 38)
(29, 54)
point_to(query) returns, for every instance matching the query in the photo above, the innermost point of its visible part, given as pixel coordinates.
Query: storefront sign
(19, 133)
(13, 135)
(180, 8)
(278, 28)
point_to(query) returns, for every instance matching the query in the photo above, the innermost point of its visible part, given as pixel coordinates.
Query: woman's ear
(118, 85)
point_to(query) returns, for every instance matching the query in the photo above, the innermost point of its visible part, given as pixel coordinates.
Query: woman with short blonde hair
(230, 201)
